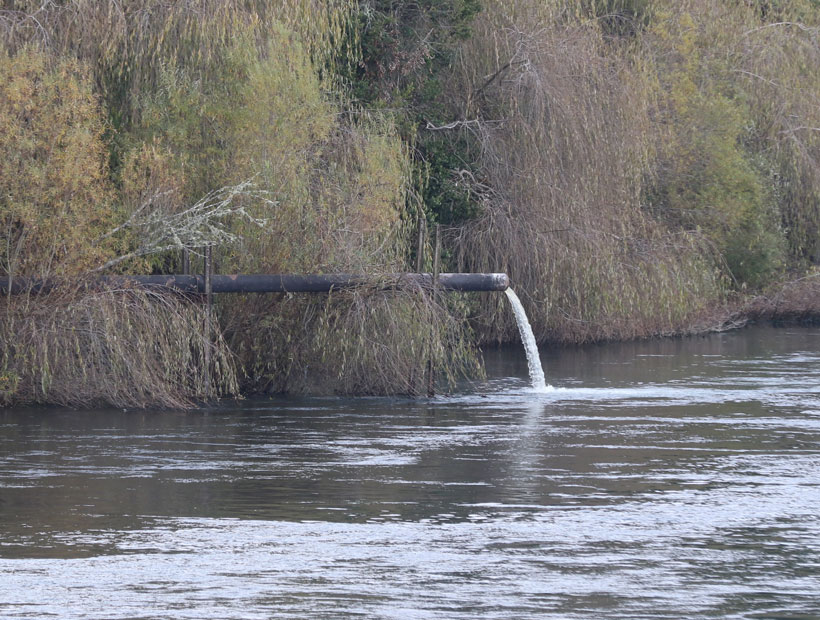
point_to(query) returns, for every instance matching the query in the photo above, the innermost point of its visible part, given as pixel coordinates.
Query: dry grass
(126, 347)
(372, 340)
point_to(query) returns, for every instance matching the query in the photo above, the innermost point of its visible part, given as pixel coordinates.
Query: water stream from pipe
(539, 383)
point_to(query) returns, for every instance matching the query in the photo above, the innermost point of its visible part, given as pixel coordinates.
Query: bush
(196, 104)
(55, 194)
(776, 71)
(709, 175)
(109, 346)
(332, 189)
(338, 184)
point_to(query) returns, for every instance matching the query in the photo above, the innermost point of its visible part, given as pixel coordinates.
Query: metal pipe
(278, 283)
(420, 243)
(436, 257)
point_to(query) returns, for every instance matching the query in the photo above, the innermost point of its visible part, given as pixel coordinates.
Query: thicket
(215, 124)
(407, 50)
(636, 166)
(642, 162)
(565, 120)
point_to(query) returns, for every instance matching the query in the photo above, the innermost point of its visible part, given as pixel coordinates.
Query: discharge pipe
(278, 283)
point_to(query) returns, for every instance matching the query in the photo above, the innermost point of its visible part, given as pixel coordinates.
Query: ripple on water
(686, 486)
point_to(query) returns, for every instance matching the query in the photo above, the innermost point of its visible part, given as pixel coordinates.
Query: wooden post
(186, 262)
(431, 375)
(420, 243)
(419, 266)
(209, 298)
(436, 257)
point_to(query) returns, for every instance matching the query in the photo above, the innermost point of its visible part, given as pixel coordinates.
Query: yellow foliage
(54, 190)
(708, 177)
(283, 113)
(379, 199)
(148, 176)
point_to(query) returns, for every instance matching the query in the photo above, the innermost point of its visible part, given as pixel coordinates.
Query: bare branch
(201, 225)
(797, 25)
(453, 125)
(759, 77)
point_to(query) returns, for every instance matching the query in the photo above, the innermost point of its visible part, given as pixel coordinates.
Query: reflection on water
(671, 479)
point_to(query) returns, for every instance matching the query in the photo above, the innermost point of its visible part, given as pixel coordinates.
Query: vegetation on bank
(638, 167)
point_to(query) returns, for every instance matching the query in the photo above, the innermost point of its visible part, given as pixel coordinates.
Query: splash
(539, 383)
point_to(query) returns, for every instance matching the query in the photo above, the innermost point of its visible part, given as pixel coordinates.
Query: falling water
(539, 383)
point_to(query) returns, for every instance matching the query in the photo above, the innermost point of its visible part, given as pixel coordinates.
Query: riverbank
(795, 301)
(638, 169)
(144, 349)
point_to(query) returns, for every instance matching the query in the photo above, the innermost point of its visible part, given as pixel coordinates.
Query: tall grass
(125, 347)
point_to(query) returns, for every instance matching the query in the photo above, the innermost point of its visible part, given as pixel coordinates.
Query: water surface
(663, 479)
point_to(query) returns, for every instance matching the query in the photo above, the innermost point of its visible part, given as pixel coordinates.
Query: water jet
(539, 383)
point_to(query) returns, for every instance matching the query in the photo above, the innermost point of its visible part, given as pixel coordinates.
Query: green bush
(712, 174)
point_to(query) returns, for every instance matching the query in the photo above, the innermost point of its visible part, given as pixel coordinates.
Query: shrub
(369, 341)
(709, 176)
(338, 184)
(55, 195)
(333, 198)
(776, 71)
(125, 347)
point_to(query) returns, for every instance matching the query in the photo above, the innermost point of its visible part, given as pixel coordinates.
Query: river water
(664, 479)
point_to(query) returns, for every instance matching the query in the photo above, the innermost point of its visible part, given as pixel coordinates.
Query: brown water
(672, 479)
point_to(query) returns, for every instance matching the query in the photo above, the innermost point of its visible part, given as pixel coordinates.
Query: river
(660, 479)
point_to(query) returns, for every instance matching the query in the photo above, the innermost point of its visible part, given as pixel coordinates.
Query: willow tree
(564, 117)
